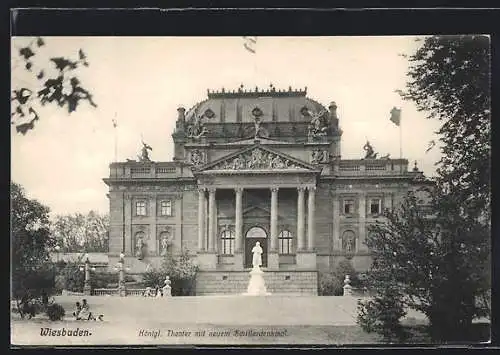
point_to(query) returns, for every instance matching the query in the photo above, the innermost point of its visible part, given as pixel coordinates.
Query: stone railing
(71, 293)
(141, 170)
(361, 167)
(105, 292)
(115, 292)
(136, 292)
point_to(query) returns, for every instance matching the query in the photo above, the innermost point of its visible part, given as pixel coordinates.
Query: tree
(82, 233)
(449, 79)
(55, 81)
(30, 245)
(441, 262)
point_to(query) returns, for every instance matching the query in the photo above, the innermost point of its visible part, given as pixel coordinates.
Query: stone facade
(253, 166)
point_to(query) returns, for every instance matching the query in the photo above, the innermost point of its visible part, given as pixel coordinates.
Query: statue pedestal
(256, 285)
(273, 261)
(167, 291)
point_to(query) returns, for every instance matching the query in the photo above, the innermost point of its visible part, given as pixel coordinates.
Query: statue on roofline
(144, 152)
(318, 125)
(196, 125)
(370, 153)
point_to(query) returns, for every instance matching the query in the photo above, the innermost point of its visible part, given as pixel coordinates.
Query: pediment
(258, 158)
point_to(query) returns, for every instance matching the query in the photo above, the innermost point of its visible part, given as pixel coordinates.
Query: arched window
(349, 241)
(285, 242)
(227, 241)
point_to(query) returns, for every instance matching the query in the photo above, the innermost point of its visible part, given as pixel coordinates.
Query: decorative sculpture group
(370, 153)
(195, 125)
(319, 156)
(144, 152)
(197, 157)
(257, 159)
(318, 125)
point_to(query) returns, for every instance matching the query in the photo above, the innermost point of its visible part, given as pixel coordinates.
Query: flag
(432, 143)
(114, 123)
(250, 43)
(396, 116)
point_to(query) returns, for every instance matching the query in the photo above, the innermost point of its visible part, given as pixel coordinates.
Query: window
(227, 240)
(285, 242)
(140, 208)
(166, 208)
(375, 206)
(348, 207)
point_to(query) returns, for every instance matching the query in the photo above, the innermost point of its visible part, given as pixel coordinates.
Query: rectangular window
(375, 206)
(140, 208)
(227, 240)
(285, 242)
(348, 207)
(166, 208)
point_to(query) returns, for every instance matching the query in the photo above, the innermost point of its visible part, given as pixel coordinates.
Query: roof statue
(196, 125)
(144, 152)
(370, 153)
(257, 113)
(318, 124)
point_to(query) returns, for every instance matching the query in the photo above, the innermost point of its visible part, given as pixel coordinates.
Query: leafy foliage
(62, 88)
(332, 283)
(441, 262)
(55, 311)
(449, 79)
(30, 244)
(80, 232)
(181, 270)
(70, 277)
(382, 315)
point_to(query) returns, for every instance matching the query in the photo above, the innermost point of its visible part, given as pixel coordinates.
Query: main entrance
(254, 235)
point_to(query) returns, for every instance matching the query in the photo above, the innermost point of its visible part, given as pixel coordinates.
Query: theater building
(248, 166)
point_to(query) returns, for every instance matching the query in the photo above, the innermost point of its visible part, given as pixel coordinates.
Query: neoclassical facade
(248, 166)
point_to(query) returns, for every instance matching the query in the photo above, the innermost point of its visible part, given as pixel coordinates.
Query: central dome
(236, 106)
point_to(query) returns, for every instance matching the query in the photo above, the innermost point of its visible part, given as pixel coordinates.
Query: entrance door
(253, 235)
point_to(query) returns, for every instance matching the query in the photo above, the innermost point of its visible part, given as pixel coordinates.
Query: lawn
(210, 320)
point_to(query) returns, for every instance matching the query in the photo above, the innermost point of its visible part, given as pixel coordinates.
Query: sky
(141, 81)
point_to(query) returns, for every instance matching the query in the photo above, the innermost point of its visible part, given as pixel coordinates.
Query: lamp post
(86, 285)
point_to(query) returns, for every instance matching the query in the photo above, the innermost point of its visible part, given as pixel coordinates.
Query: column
(362, 220)
(300, 218)
(211, 219)
(152, 249)
(311, 221)
(337, 245)
(201, 219)
(238, 219)
(274, 219)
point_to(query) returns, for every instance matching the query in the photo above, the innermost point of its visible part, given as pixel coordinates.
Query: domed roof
(276, 105)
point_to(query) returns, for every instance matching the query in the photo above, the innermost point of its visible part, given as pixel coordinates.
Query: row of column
(212, 219)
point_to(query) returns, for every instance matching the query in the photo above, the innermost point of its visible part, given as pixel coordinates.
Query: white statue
(164, 245)
(167, 289)
(257, 255)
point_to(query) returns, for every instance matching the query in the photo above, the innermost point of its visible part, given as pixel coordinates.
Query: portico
(291, 180)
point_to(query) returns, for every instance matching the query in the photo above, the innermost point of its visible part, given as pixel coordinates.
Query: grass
(301, 321)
